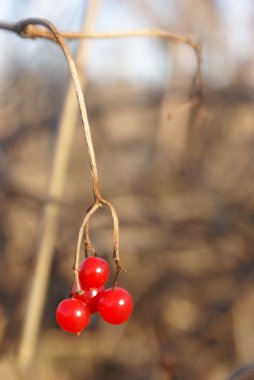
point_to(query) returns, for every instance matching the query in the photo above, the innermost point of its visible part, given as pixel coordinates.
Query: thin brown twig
(98, 200)
(80, 237)
(29, 29)
(32, 31)
(116, 236)
(88, 244)
(59, 39)
(48, 226)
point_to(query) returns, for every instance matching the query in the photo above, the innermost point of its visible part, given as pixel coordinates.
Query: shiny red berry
(93, 273)
(72, 315)
(94, 301)
(90, 297)
(115, 305)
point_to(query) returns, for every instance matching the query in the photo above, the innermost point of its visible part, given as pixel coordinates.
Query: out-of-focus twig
(183, 108)
(242, 372)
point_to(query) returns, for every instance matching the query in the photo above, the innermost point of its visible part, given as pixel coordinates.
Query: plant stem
(49, 224)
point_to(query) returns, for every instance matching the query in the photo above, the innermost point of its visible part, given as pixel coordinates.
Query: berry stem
(116, 255)
(88, 214)
(88, 244)
(21, 28)
(75, 78)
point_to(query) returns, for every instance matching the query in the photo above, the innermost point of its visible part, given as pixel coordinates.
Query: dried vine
(29, 29)
(32, 31)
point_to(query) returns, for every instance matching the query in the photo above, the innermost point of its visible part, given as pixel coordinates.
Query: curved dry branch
(98, 200)
(29, 29)
(59, 39)
(32, 31)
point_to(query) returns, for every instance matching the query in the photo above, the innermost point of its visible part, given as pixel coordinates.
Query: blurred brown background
(181, 179)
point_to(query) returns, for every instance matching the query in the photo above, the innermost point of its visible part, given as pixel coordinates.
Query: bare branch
(29, 29)
(49, 223)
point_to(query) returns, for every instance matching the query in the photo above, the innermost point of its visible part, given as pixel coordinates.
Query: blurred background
(179, 172)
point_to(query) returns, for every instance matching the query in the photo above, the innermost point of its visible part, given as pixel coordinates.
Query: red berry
(93, 273)
(89, 297)
(72, 315)
(115, 305)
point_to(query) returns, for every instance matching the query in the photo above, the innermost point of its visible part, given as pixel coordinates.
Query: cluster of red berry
(113, 304)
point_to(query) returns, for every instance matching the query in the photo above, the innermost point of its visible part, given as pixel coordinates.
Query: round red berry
(72, 315)
(115, 305)
(90, 297)
(93, 273)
